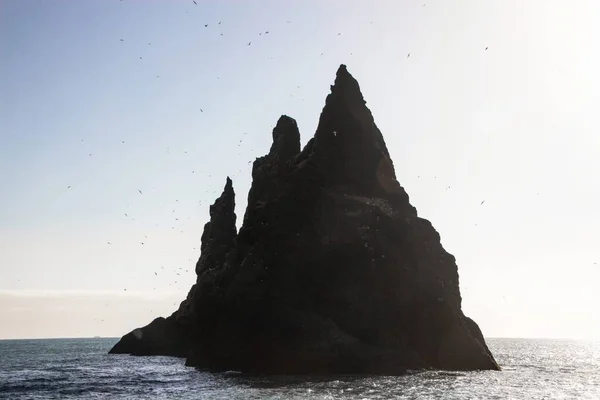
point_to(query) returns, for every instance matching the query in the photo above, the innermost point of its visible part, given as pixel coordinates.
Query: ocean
(82, 369)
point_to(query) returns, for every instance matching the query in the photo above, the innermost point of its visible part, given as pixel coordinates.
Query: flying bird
(195, 2)
(482, 203)
(140, 191)
(206, 25)
(121, 40)
(69, 187)
(249, 43)
(408, 55)
(201, 110)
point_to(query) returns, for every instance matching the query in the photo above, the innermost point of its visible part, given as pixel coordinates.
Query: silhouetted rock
(332, 270)
(219, 233)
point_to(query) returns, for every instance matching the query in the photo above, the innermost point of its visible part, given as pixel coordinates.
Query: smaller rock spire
(286, 139)
(219, 233)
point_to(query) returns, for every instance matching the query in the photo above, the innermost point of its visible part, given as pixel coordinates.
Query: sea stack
(331, 272)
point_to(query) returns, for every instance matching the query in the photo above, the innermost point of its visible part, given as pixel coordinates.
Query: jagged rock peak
(286, 139)
(224, 204)
(346, 85)
(346, 97)
(349, 145)
(346, 120)
(220, 232)
(267, 169)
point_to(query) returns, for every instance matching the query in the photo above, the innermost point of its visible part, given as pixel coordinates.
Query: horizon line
(486, 338)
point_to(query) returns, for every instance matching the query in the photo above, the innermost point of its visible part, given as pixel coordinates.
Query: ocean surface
(82, 369)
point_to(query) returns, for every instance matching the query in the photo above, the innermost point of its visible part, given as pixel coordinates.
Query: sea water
(82, 369)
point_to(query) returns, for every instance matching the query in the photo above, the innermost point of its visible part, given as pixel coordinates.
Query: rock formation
(332, 270)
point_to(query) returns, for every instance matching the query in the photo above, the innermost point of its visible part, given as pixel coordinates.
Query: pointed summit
(224, 204)
(346, 91)
(345, 83)
(342, 69)
(349, 145)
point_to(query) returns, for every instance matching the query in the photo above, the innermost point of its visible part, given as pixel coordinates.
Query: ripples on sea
(82, 369)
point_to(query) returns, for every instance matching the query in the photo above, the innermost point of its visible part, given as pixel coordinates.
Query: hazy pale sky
(175, 107)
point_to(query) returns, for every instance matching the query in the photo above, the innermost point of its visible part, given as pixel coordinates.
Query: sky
(102, 100)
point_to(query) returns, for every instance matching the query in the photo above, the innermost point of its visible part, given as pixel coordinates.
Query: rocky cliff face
(332, 270)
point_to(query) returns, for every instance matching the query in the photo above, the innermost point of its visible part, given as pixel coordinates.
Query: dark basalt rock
(331, 272)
